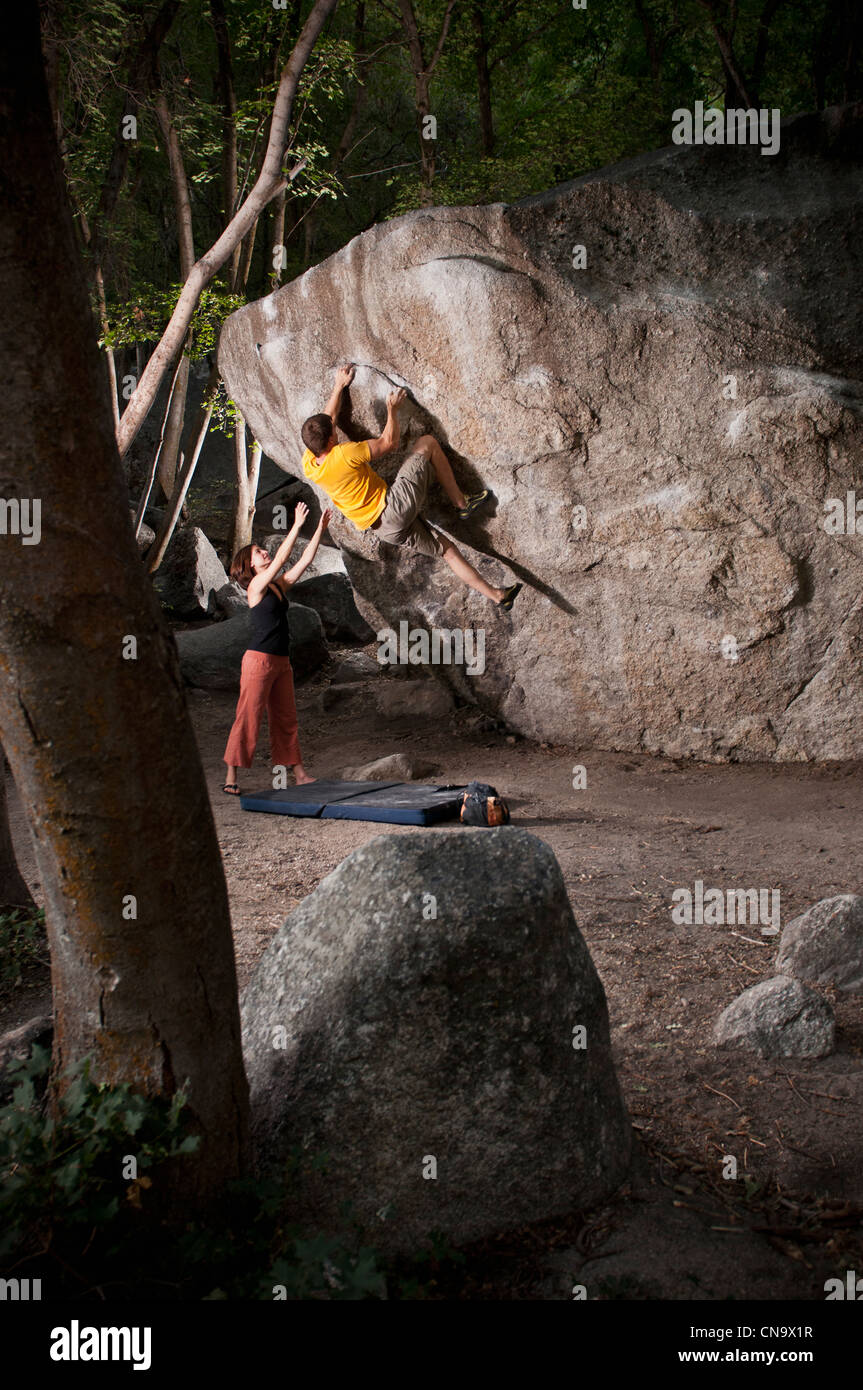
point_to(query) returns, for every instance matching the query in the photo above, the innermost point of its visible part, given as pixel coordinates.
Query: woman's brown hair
(241, 566)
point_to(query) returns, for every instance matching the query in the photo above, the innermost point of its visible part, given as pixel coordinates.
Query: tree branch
(269, 183)
(442, 39)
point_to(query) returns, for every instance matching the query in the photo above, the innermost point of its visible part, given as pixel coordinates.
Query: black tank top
(269, 631)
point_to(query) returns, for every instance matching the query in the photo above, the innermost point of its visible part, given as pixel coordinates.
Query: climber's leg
(400, 523)
(428, 445)
(464, 571)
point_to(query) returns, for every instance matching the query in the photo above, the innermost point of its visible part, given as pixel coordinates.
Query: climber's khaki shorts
(400, 522)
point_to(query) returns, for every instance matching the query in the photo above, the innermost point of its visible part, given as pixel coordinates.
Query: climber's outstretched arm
(344, 377)
(389, 438)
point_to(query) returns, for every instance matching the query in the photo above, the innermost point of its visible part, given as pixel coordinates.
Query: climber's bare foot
(301, 777)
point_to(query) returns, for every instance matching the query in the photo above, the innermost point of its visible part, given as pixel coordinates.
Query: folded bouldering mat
(394, 803)
(404, 804)
(308, 800)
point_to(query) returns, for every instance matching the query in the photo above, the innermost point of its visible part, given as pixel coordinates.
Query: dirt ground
(641, 827)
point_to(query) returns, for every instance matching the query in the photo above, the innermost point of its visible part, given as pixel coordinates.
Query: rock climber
(392, 512)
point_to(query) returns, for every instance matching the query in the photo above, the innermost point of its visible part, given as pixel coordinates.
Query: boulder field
(670, 420)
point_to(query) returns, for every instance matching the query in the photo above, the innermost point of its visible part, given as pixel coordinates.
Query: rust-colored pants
(266, 682)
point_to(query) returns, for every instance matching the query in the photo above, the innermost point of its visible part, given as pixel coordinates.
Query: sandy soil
(640, 828)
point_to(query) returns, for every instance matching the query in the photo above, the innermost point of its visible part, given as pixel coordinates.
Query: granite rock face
(414, 1020)
(668, 433)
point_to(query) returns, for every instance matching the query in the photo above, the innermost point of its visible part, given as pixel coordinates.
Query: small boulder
(354, 666)
(231, 599)
(332, 597)
(211, 657)
(396, 767)
(424, 698)
(825, 944)
(430, 1019)
(778, 1018)
(344, 693)
(189, 576)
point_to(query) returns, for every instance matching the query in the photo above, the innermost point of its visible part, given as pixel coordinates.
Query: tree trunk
(229, 123)
(654, 55)
(169, 444)
(277, 240)
(248, 466)
(269, 183)
(156, 553)
(483, 82)
(138, 78)
(343, 149)
(428, 158)
(423, 72)
(13, 890)
(170, 447)
(92, 712)
(248, 248)
(154, 466)
(144, 57)
(736, 88)
(760, 59)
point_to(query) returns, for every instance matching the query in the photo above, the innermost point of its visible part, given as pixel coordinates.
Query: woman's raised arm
(311, 549)
(265, 577)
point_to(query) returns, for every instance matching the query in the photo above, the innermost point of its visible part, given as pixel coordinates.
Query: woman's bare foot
(301, 777)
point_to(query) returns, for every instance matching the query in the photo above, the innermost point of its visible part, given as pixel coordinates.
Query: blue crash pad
(403, 804)
(394, 803)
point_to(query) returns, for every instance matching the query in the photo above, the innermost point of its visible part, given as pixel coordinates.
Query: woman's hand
(310, 551)
(300, 513)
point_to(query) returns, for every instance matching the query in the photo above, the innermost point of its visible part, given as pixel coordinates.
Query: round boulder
(778, 1018)
(430, 1019)
(825, 944)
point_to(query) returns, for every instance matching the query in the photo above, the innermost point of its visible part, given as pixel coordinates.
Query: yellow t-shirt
(349, 482)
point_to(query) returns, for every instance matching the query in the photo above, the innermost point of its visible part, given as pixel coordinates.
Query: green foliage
(61, 1165)
(22, 944)
(226, 415)
(571, 91)
(63, 1198)
(144, 316)
(253, 1252)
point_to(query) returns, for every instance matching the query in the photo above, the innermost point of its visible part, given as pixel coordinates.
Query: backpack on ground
(481, 805)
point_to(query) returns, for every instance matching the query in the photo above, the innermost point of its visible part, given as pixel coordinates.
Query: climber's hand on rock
(345, 375)
(394, 399)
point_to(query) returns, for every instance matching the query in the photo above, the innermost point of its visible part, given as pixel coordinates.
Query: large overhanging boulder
(662, 431)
